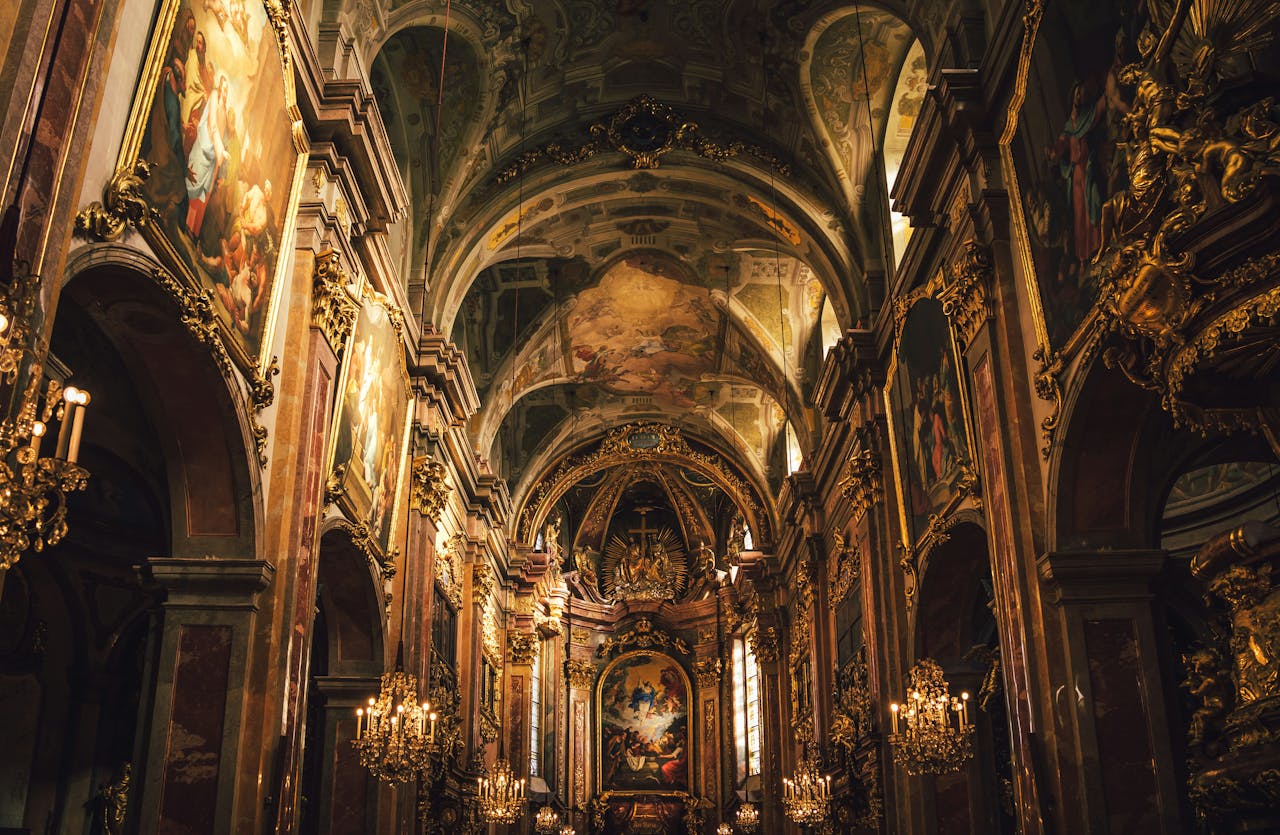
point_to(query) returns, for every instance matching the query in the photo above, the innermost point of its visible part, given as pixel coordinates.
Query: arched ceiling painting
(586, 295)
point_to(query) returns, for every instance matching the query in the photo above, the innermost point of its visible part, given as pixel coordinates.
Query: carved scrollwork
(581, 674)
(707, 673)
(1176, 314)
(844, 568)
(862, 482)
(645, 131)
(430, 488)
(522, 647)
(966, 302)
(362, 538)
(764, 644)
(333, 310)
(644, 635)
(124, 205)
(448, 565)
(907, 560)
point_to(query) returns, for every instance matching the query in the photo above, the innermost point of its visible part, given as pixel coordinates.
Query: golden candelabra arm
(33, 489)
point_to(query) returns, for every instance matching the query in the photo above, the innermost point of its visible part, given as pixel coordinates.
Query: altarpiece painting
(644, 725)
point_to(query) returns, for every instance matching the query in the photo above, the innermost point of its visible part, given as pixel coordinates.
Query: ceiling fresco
(589, 288)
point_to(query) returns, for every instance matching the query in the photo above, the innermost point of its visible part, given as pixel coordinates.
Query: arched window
(908, 96)
(746, 709)
(535, 716)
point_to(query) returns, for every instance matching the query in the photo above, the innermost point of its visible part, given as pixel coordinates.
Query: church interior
(682, 417)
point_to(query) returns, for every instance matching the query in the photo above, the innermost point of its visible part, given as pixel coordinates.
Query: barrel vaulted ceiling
(588, 291)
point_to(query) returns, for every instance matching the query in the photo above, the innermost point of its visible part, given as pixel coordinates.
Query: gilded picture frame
(350, 444)
(923, 505)
(679, 731)
(1056, 254)
(225, 229)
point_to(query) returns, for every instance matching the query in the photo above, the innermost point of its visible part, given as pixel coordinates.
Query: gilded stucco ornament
(1235, 681)
(643, 635)
(448, 566)
(707, 672)
(853, 732)
(430, 487)
(862, 482)
(644, 130)
(640, 443)
(844, 568)
(966, 301)
(196, 312)
(764, 643)
(333, 310)
(522, 647)
(1180, 324)
(581, 674)
(124, 205)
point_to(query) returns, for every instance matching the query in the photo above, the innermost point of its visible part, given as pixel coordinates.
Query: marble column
(194, 750)
(348, 793)
(1110, 714)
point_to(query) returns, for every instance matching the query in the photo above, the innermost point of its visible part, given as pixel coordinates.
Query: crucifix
(643, 530)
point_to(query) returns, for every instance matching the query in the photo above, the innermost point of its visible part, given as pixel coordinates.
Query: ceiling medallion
(644, 130)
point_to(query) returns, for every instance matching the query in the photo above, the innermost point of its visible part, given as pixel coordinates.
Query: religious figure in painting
(644, 725)
(216, 126)
(1075, 154)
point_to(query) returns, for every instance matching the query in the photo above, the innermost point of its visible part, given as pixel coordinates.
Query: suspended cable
(522, 92)
(777, 273)
(436, 183)
(877, 162)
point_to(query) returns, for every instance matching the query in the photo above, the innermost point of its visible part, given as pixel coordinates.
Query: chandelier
(33, 489)
(724, 829)
(931, 730)
(547, 821)
(395, 736)
(806, 793)
(501, 795)
(748, 818)
(567, 830)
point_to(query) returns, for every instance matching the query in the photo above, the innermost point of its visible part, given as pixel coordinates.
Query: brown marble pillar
(1110, 714)
(347, 804)
(299, 476)
(194, 741)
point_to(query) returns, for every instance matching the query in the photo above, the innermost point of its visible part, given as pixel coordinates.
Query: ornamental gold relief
(522, 647)
(333, 309)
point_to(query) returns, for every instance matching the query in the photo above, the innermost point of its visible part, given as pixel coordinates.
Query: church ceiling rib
(651, 442)
(577, 212)
(849, 54)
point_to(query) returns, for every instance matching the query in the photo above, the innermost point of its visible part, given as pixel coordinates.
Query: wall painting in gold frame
(215, 117)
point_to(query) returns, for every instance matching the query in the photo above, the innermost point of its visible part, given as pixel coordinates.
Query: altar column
(707, 671)
(581, 674)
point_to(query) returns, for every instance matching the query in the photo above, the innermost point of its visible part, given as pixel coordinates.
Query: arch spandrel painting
(644, 735)
(1068, 151)
(929, 416)
(212, 116)
(371, 431)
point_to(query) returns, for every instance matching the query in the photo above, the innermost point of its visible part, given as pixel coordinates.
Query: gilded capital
(863, 482)
(966, 301)
(431, 490)
(333, 310)
(581, 674)
(707, 673)
(522, 647)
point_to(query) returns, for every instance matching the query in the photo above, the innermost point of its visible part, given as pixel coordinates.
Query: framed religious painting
(371, 428)
(214, 135)
(644, 735)
(1063, 153)
(928, 411)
